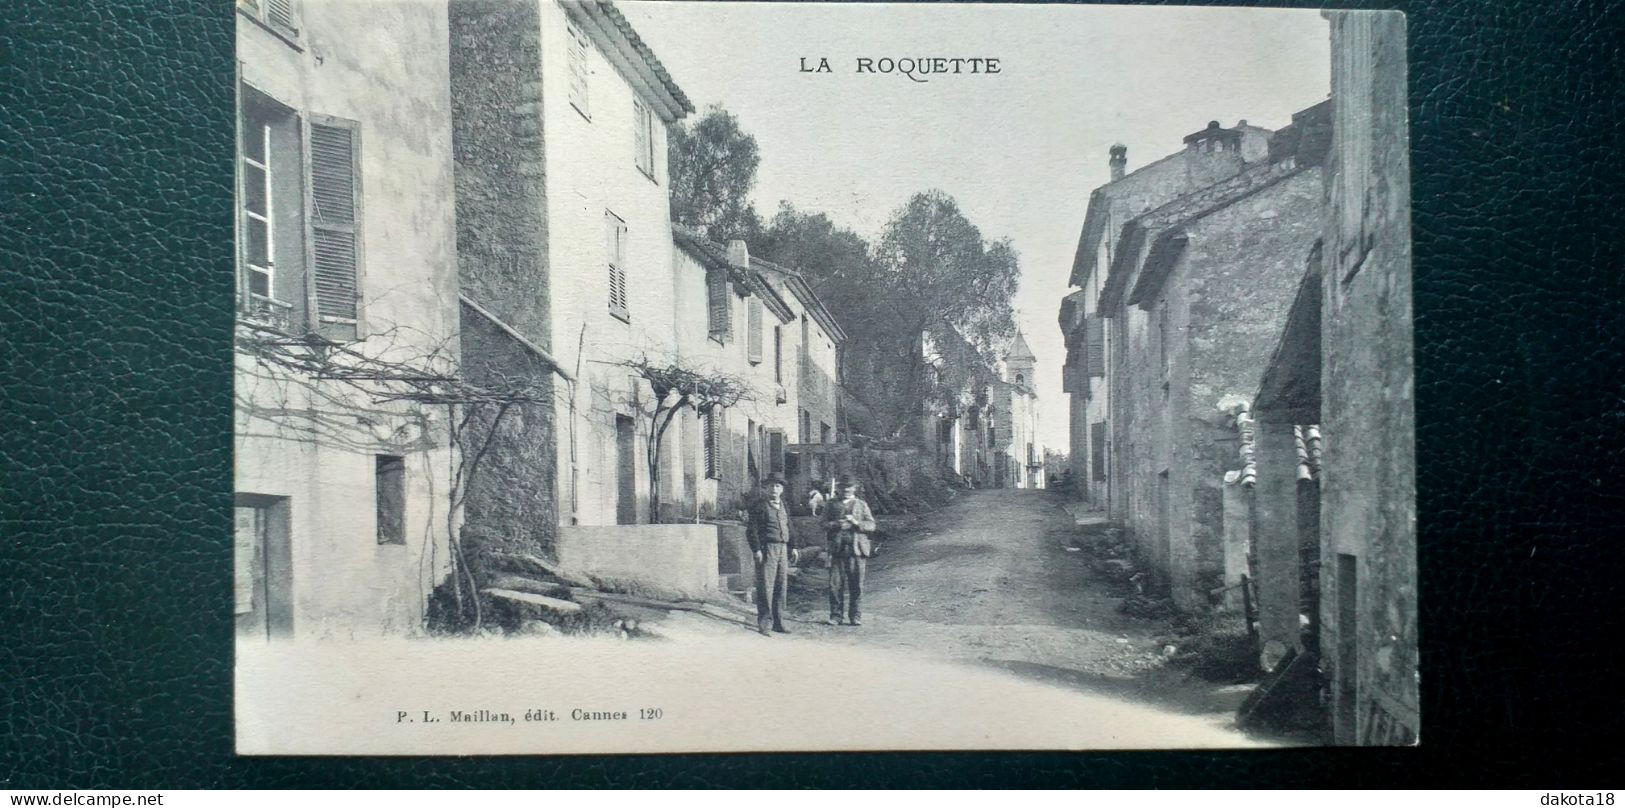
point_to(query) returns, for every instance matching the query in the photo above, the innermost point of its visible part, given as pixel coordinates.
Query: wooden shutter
(755, 329)
(615, 246)
(578, 70)
(716, 288)
(335, 243)
(280, 12)
(1095, 339)
(643, 138)
(713, 443)
(1097, 450)
(775, 451)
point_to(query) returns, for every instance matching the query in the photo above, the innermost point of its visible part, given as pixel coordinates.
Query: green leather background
(115, 455)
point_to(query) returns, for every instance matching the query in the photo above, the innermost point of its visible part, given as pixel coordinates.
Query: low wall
(675, 557)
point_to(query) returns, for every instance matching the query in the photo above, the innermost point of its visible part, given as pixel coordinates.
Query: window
(270, 214)
(390, 493)
(578, 70)
(713, 443)
(720, 310)
(643, 123)
(806, 427)
(334, 235)
(825, 433)
(615, 248)
(256, 194)
(753, 328)
(275, 14)
(1094, 335)
(775, 451)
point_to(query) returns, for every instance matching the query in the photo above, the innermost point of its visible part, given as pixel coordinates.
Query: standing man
(768, 531)
(848, 523)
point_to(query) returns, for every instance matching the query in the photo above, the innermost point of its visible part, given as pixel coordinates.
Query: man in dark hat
(768, 531)
(848, 522)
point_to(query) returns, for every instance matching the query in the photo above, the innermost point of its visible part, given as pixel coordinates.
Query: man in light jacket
(848, 523)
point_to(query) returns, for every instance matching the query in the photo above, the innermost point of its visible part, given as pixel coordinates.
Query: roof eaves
(604, 11)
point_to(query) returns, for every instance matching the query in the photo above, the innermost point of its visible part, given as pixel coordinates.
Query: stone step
(531, 600)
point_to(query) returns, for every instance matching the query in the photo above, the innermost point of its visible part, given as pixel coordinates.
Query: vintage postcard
(622, 377)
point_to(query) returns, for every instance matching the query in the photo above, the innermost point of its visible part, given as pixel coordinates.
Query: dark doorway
(626, 474)
(1348, 647)
(263, 573)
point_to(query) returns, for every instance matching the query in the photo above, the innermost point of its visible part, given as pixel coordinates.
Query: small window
(615, 248)
(578, 71)
(778, 354)
(824, 433)
(644, 138)
(390, 479)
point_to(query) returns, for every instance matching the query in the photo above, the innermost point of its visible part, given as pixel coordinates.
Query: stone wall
(1368, 509)
(502, 239)
(510, 503)
(667, 558)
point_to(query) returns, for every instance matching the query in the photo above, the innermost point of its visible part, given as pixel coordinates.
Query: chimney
(1119, 161)
(739, 254)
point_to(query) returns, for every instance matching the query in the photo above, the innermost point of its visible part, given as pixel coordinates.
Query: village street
(986, 592)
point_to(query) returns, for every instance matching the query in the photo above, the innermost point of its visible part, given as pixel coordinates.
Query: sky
(1019, 150)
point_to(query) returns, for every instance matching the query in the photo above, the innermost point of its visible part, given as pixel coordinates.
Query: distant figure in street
(768, 530)
(815, 501)
(848, 523)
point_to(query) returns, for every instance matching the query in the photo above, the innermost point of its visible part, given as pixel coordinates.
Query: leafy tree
(712, 163)
(932, 284)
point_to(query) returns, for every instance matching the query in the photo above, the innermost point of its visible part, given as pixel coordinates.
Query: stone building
(1342, 374)
(1018, 452)
(1195, 291)
(959, 427)
(347, 240)
(761, 323)
(1128, 195)
(565, 239)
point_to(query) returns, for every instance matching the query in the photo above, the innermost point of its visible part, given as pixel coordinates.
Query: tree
(931, 286)
(675, 388)
(712, 164)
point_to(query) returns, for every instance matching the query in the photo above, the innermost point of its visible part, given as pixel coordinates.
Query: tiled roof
(649, 58)
(609, 22)
(715, 255)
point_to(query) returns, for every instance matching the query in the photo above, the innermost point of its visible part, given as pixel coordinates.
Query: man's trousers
(846, 586)
(772, 581)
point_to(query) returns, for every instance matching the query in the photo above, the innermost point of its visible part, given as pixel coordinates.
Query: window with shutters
(1095, 346)
(578, 70)
(719, 304)
(615, 250)
(643, 123)
(335, 235)
(753, 329)
(713, 443)
(276, 15)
